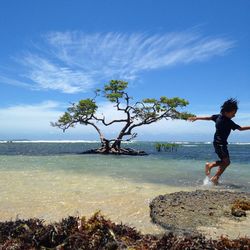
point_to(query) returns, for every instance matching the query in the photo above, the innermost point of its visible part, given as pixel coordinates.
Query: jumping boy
(223, 125)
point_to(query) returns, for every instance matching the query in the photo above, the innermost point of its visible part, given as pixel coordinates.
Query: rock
(186, 211)
(239, 212)
(239, 207)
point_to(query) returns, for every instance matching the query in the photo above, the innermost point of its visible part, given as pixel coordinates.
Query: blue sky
(56, 52)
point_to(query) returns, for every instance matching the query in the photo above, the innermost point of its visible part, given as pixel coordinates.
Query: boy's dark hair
(229, 105)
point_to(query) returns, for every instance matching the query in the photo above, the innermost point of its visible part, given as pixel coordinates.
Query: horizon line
(97, 141)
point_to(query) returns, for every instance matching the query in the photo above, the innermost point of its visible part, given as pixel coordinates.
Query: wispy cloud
(48, 75)
(73, 62)
(11, 81)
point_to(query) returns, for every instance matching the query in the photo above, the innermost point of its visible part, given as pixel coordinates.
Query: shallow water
(51, 180)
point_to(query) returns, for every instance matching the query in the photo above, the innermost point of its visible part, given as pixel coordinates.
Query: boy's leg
(210, 165)
(223, 154)
(224, 164)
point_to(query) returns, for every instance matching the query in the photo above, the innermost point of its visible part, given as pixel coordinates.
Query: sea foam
(207, 182)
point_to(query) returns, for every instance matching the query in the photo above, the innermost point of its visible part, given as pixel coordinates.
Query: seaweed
(240, 207)
(99, 232)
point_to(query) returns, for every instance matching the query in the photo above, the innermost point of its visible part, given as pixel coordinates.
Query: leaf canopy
(115, 90)
(143, 112)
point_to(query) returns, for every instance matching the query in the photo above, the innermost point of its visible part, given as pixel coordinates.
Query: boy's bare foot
(215, 180)
(207, 169)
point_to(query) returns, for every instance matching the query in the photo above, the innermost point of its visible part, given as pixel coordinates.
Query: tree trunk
(115, 148)
(105, 148)
(116, 145)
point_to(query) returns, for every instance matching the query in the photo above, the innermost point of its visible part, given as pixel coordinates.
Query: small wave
(191, 142)
(54, 141)
(239, 143)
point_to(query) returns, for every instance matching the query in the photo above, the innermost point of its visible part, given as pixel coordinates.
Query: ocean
(51, 180)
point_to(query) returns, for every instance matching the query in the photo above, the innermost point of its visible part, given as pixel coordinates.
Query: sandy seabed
(54, 195)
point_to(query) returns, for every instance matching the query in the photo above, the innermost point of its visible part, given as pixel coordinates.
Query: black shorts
(221, 150)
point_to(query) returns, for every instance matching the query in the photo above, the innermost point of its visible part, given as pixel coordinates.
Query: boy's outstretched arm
(204, 118)
(244, 128)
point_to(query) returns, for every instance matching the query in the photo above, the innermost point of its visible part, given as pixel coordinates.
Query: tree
(136, 114)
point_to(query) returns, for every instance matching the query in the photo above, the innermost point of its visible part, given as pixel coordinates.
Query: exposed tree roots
(121, 151)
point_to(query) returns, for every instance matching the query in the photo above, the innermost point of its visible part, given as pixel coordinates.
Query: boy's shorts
(221, 150)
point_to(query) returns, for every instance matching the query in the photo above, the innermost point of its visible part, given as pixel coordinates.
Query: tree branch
(148, 121)
(98, 131)
(109, 123)
(129, 139)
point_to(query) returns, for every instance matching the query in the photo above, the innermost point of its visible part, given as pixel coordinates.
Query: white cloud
(33, 122)
(73, 62)
(48, 75)
(36, 118)
(159, 128)
(30, 121)
(31, 118)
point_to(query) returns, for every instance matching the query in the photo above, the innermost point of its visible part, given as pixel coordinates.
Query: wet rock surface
(186, 211)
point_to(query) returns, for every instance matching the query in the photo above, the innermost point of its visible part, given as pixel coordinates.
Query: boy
(224, 125)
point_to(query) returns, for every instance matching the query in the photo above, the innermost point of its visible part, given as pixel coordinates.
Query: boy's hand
(192, 119)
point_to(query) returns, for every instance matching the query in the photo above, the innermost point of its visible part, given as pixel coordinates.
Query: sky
(53, 53)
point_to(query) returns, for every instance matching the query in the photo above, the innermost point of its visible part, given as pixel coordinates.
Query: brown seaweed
(240, 207)
(98, 232)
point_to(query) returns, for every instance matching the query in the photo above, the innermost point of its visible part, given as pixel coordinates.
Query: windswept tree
(136, 114)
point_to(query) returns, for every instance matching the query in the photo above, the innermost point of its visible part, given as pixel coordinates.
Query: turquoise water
(53, 180)
(184, 167)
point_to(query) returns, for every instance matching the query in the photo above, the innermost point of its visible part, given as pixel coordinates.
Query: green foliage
(116, 85)
(65, 118)
(185, 115)
(83, 109)
(166, 146)
(86, 107)
(173, 102)
(151, 108)
(115, 90)
(150, 100)
(147, 111)
(80, 112)
(167, 102)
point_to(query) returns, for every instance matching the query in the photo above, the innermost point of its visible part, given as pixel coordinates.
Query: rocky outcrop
(186, 211)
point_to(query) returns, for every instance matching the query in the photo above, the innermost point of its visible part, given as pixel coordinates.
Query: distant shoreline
(97, 141)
